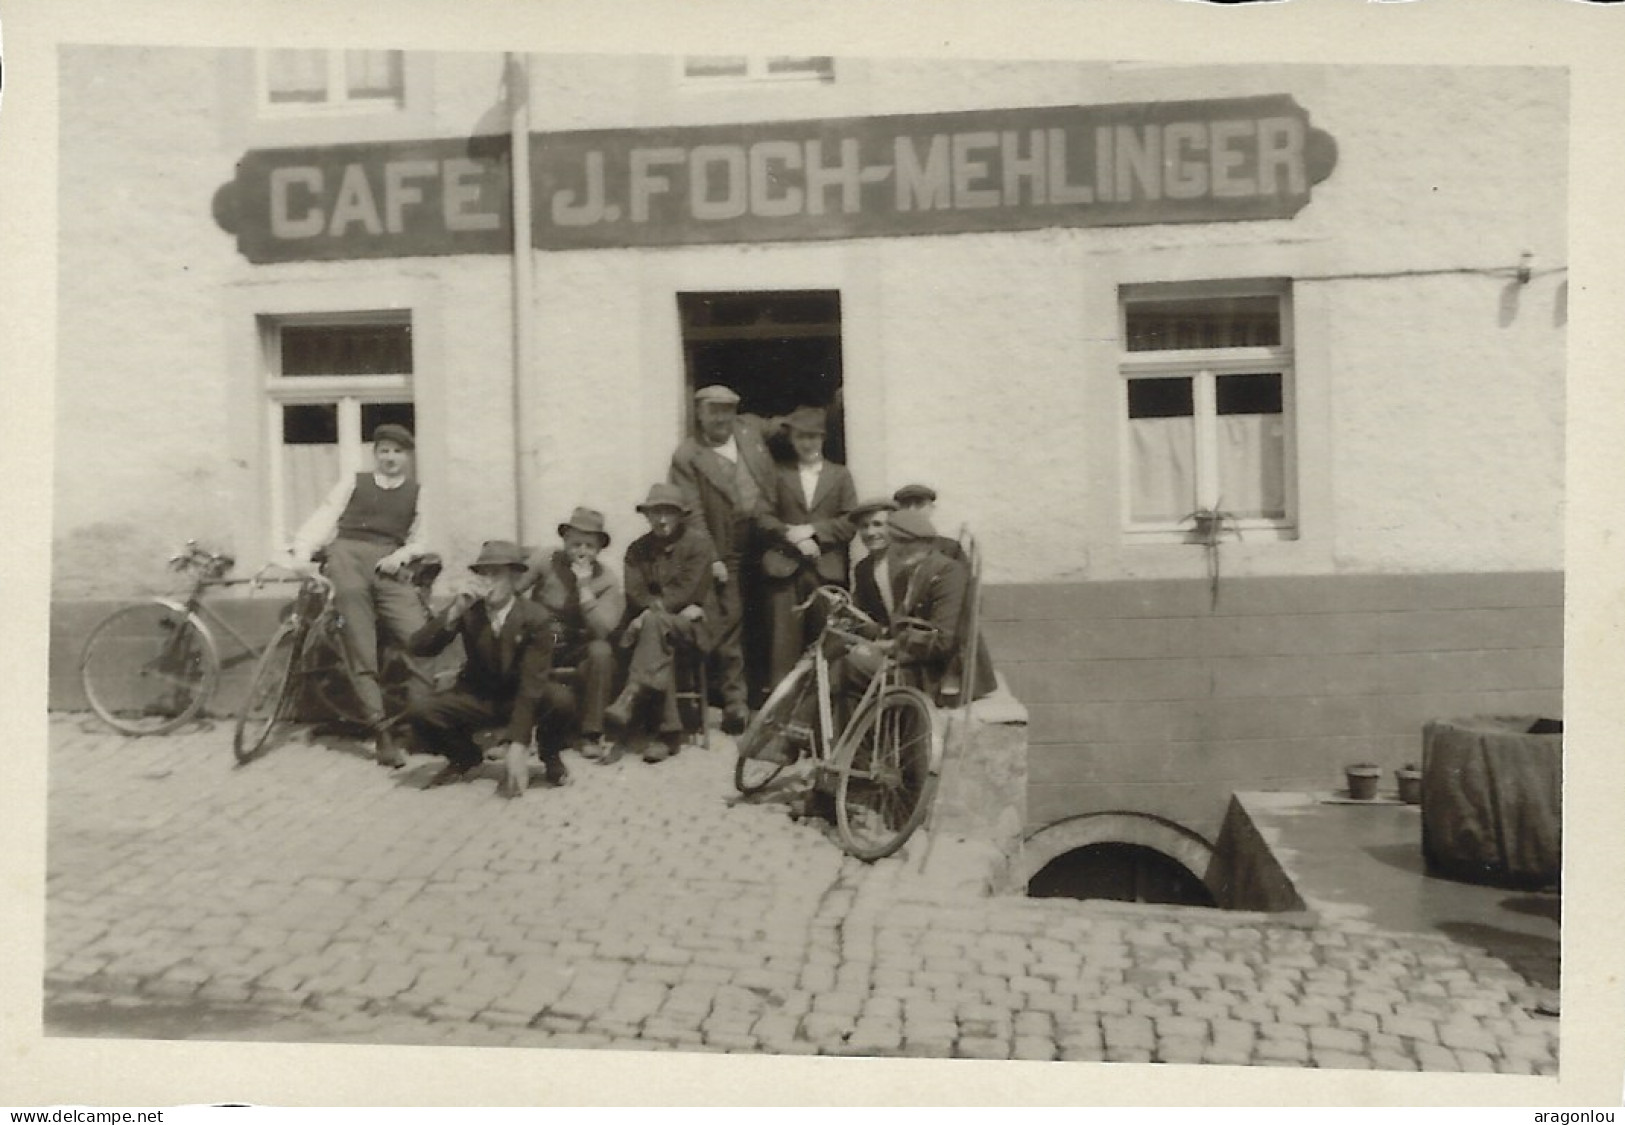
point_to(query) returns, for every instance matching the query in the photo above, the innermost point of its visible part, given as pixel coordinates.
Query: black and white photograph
(1047, 558)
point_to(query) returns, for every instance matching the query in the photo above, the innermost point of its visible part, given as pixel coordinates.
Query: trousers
(446, 722)
(371, 604)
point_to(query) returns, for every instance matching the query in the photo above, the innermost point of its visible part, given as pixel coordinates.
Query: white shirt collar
(500, 616)
(388, 484)
(728, 450)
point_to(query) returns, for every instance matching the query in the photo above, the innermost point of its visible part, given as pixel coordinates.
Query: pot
(1409, 779)
(1362, 779)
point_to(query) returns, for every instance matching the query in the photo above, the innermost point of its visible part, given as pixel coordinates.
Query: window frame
(348, 392)
(1204, 366)
(756, 71)
(343, 104)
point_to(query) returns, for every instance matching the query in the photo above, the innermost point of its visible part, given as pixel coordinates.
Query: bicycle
(307, 666)
(884, 762)
(148, 668)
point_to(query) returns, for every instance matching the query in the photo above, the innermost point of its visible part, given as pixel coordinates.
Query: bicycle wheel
(887, 774)
(325, 675)
(773, 729)
(269, 703)
(148, 668)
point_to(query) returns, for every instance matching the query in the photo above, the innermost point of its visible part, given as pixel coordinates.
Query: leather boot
(618, 715)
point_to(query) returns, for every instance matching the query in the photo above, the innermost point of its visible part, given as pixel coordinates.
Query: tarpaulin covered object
(1492, 799)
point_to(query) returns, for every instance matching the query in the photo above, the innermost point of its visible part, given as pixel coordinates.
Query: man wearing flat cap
(508, 652)
(806, 528)
(372, 526)
(928, 597)
(871, 576)
(583, 598)
(922, 498)
(724, 470)
(671, 598)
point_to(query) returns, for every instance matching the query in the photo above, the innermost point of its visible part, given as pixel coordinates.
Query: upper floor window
(751, 68)
(321, 81)
(1208, 404)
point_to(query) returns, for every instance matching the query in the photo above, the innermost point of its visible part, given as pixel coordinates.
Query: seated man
(671, 593)
(508, 644)
(922, 498)
(372, 526)
(584, 600)
(871, 577)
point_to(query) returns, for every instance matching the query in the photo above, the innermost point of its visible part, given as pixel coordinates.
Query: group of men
(737, 540)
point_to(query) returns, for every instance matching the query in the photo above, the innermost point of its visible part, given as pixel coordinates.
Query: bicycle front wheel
(768, 744)
(269, 704)
(148, 668)
(887, 774)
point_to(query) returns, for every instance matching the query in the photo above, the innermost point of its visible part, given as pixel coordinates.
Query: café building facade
(1086, 302)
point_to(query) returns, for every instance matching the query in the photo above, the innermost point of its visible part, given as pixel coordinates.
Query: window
(330, 381)
(318, 81)
(751, 68)
(1207, 374)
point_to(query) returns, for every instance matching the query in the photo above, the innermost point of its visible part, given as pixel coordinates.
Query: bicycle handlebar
(839, 601)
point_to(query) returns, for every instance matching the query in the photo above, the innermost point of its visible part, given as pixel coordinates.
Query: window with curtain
(1207, 391)
(330, 382)
(319, 81)
(744, 68)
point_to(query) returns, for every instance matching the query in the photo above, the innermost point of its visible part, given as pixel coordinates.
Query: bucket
(1362, 780)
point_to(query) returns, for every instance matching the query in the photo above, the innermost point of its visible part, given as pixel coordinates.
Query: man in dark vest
(372, 526)
(725, 470)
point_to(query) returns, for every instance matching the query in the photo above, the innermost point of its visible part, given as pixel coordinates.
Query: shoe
(515, 771)
(612, 755)
(735, 718)
(666, 746)
(554, 770)
(820, 805)
(452, 773)
(387, 753)
(593, 749)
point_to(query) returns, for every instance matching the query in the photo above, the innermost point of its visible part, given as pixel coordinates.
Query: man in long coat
(806, 530)
(725, 470)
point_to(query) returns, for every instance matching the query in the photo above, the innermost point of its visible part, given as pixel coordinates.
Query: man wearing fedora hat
(671, 597)
(724, 469)
(583, 598)
(372, 526)
(508, 652)
(806, 527)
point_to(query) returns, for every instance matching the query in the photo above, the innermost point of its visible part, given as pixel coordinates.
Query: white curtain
(296, 76)
(1252, 465)
(372, 73)
(308, 473)
(1163, 454)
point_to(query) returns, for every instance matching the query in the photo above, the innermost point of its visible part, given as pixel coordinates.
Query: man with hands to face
(508, 648)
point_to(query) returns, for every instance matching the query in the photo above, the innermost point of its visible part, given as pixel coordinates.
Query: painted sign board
(1206, 161)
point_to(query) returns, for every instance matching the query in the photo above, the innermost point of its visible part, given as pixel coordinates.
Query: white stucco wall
(1429, 408)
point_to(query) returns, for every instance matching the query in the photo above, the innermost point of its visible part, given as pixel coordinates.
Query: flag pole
(516, 68)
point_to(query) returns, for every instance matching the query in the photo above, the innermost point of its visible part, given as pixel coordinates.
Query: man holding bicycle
(372, 526)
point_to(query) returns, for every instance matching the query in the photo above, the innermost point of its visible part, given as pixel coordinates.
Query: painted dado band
(1021, 169)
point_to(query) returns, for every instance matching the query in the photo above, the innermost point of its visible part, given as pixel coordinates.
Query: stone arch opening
(1121, 856)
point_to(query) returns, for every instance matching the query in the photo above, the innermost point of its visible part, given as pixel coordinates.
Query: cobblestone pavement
(314, 895)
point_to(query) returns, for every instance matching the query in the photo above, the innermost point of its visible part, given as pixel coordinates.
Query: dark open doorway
(777, 349)
(1121, 872)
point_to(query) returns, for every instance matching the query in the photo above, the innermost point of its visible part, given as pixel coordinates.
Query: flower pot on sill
(1409, 779)
(1362, 779)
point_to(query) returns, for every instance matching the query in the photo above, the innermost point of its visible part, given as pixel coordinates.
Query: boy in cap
(922, 498)
(724, 470)
(871, 576)
(372, 526)
(583, 598)
(508, 652)
(671, 595)
(805, 523)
